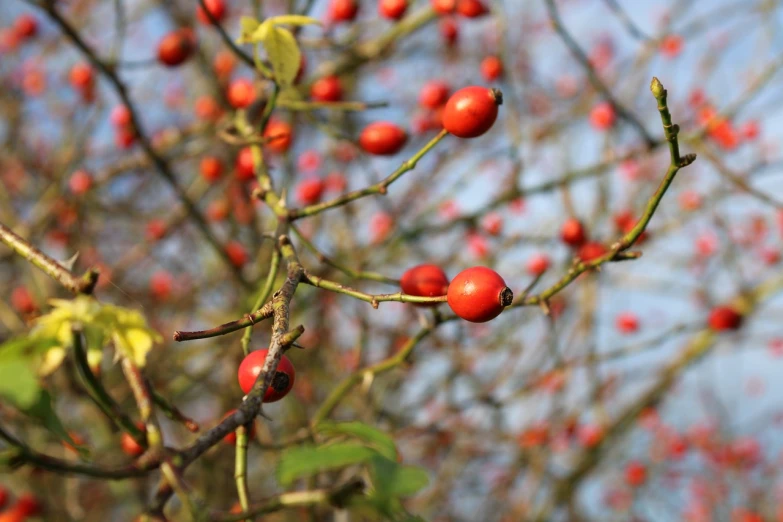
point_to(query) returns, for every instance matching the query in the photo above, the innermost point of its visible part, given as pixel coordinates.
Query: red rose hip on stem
(241, 93)
(383, 138)
(309, 191)
(176, 47)
(425, 281)
(343, 10)
(212, 169)
(573, 232)
(471, 111)
(282, 381)
(278, 135)
(471, 8)
(434, 94)
(392, 9)
(479, 294)
(723, 318)
(217, 8)
(327, 89)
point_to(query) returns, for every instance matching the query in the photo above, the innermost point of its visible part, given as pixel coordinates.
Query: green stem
(263, 295)
(99, 394)
(240, 468)
(378, 188)
(342, 389)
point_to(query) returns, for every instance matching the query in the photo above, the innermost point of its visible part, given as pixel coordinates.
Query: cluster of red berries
(478, 294)
(574, 235)
(124, 131)
(26, 506)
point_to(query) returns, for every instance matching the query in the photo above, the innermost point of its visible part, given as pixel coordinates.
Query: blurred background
(619, 397)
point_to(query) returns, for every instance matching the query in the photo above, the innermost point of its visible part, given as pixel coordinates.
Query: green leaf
(284, 54)
(392, 480)
(304, 461)
(27, 345)
(44, 411)
(18, 383)
(373, 436)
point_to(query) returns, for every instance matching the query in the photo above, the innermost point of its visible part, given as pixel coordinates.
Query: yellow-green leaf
(292, 20)
(284, 54)
(248, 26)
(51, 361)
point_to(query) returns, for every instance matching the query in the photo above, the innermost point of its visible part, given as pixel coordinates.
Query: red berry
(160, 285)
(25, 26)
(724, 318)
(176, 47)
(282, 382)
(80, 182)
(236, 253)
(591, 251)
(241, 93)
(231, 438)
(27, 506)
(335, 181)
(224, 64)
(3, 497)
(573, 232)
(327, 89)
(627, 323)
(471, 8)
(81, 76)
(392, 9)
(602, 116)
(309, 161)
(244, 167)
(309, 191)
(22, 300)
(279, 134)
(425, 281)
(492, 224)
(635, 474)
(156, 229)
(491, 68)
(217, 8)
(120, 116)
(671, 45)
(211, 168)
(206, 108)
(434, 94)
(537, 264)
(217, 210)
(343, 10)
(443, 6)
(450, 31)
(471, 111)
(129, 445)
(590, 434)
(381, 225)
(479, 294)
(382, 138)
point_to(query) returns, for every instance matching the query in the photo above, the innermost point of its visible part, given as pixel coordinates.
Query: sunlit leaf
(284, 54)
(304, 461)
(18, 383)
(373, 436)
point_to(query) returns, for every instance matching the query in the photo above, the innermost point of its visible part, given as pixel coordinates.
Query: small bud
(657, 88)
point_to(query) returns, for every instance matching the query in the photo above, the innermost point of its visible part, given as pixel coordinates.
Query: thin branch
(595, 80)
(83, 285)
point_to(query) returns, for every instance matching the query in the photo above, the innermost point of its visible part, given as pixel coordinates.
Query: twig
(83, 285)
